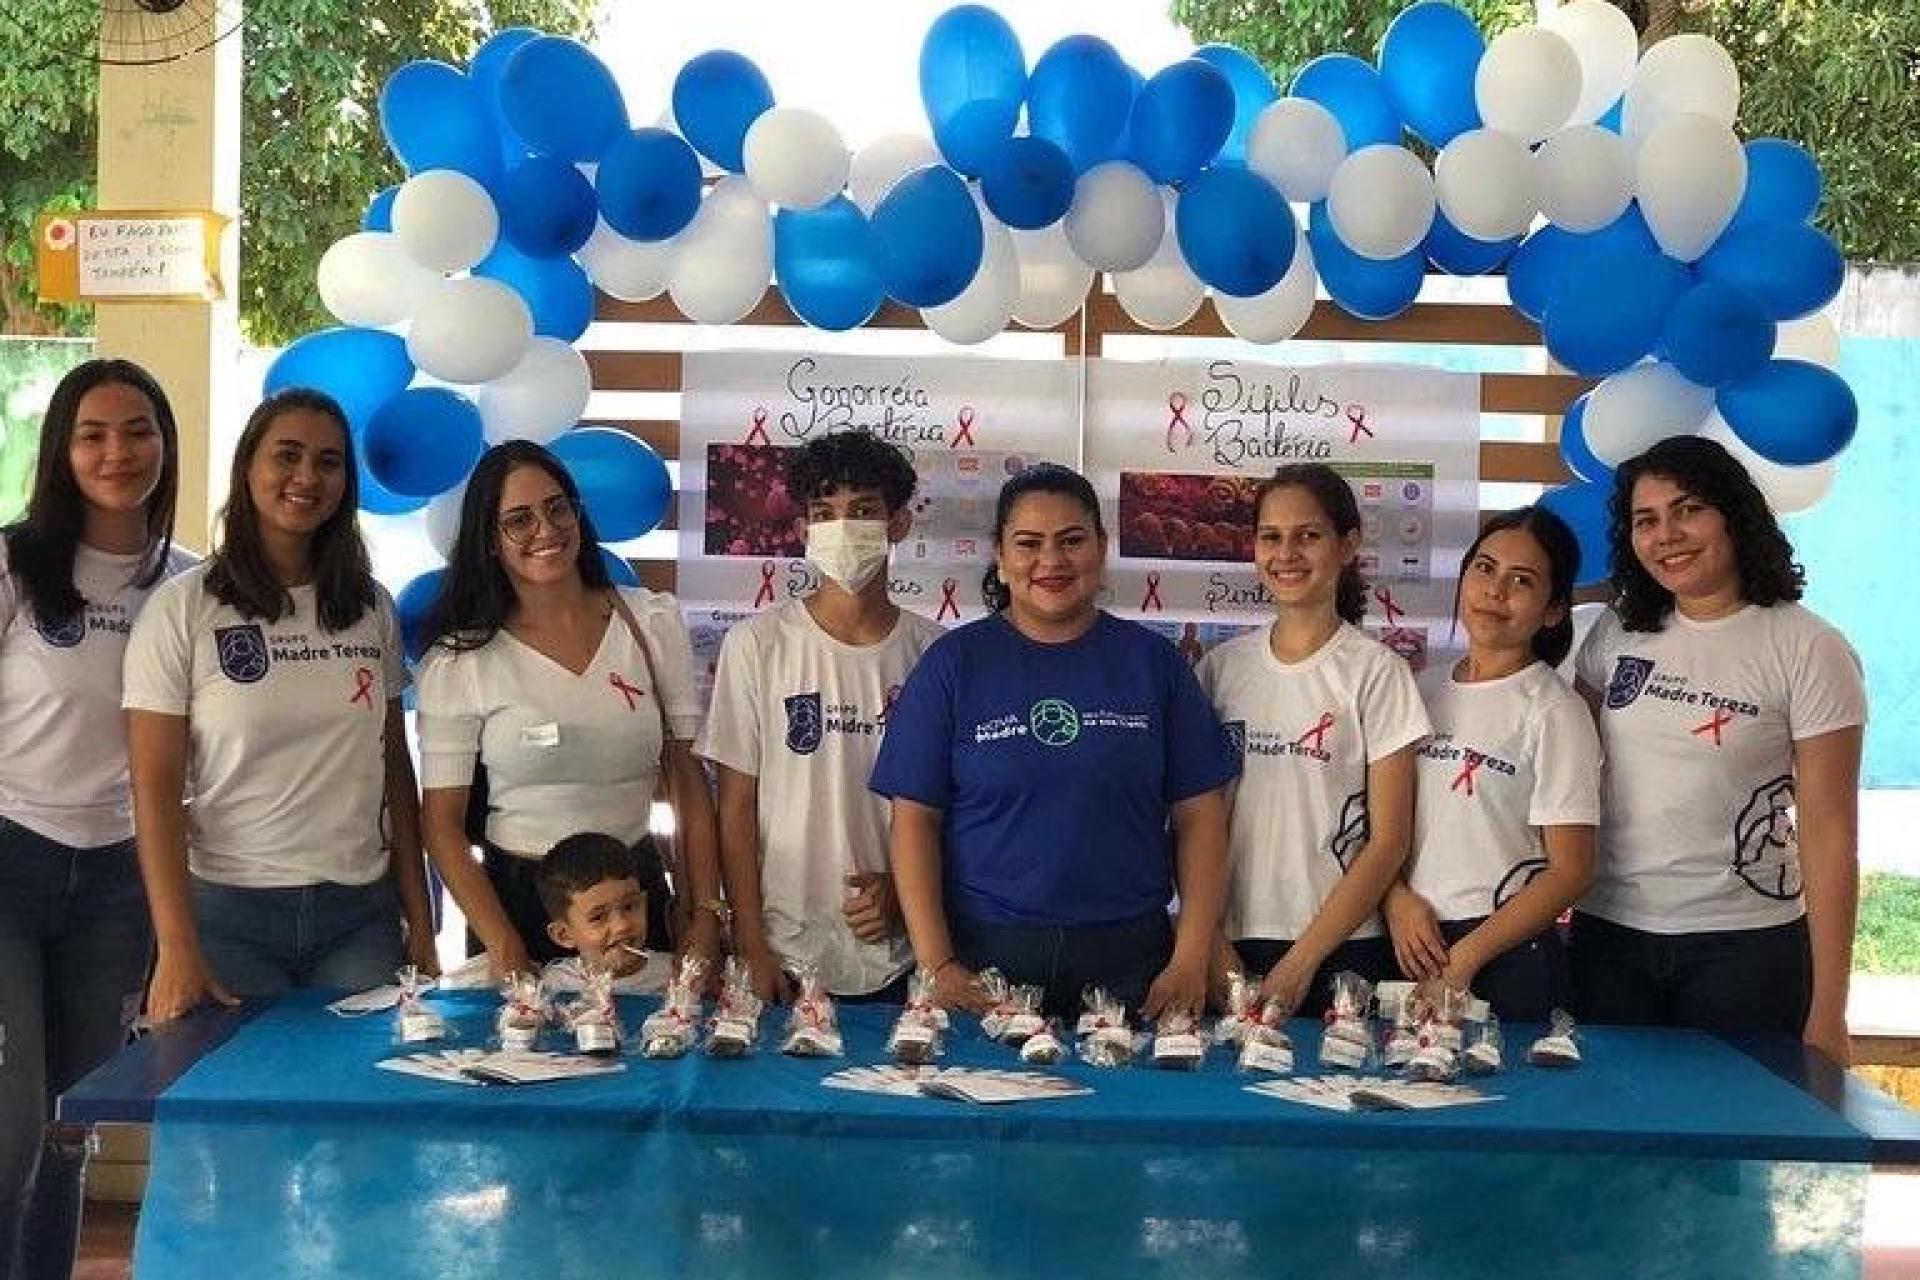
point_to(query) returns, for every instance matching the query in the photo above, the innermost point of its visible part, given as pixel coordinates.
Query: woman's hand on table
(1181, 987)
(180, 984)
(957, 987)
(1286, 984)
(1418, 945)
(769, 977)
(422, 953)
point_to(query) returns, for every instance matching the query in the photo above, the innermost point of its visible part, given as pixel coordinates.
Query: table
(278, 1146)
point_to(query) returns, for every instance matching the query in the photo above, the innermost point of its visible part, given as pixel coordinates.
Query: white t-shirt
(1507, 757)
(286, 726)
(1698, 721)
(565, 753)
(804, 714)
(63, 772)
(1307, 730)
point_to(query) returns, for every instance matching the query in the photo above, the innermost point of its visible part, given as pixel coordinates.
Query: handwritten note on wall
(106, 257)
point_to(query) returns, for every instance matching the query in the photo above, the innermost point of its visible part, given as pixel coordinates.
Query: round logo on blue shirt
(1054, 722)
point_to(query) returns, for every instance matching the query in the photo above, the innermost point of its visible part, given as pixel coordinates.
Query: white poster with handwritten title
(966, 423)
(1177, 448)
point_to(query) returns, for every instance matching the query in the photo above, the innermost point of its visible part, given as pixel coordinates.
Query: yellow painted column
(170, 139)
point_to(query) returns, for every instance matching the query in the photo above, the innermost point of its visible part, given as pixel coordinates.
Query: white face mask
(850, 552)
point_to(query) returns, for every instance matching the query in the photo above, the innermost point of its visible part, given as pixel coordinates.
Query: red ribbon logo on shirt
(1469, 765)
(765, 594)
(362, 686)
(1318, 733)
(1721, 719)
(631, 692)
(757, 433)
(1385, 596)
(1151, 601)
(1357, 419)
(1177, 420)
(948, 607)
(963, 430)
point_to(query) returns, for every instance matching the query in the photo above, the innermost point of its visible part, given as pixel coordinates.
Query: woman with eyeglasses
(575, 696)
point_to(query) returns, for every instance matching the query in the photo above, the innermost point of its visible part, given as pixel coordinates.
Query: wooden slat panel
(1886, 1051)
(635, 370)
(772, 309)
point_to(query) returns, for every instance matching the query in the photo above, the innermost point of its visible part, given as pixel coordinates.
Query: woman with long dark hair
(75, 570)
(1727, 882)
(577, 698)
(264, 685)
(1055, 773)
(1509, 783)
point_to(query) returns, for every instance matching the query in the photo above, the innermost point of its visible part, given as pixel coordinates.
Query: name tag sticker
(540, 735)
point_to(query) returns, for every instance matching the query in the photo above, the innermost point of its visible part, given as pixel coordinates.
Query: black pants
(513, 883)
(1528, 982)
(1122, 957)
(1371, 958)
(1736, 980)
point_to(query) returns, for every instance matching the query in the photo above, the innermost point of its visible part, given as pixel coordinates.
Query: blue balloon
(1181, 117)
(376, 498)
(561, 99)
(1027, 182)
(1235, 230)
(1792, 412)
(828, 264)
(649, 184)
(1079, 98)
(422, 442)
(1783, 183)
(556, 290)
(716, 98)
(1610, 118)
(1370, 288)
(360, 368)
(547, 207)
(1574, 451)
(1353, 92)
(488, 68)
(1792, 268)
(1717, 333)
(1427, 62)
(1535, 269)
(1459, 254)
(379, 214)
(410, 610)
(1253, 92)
(1606, 312)
(930, 237)
(435, 118)
(619, 569)
(973, 82)
(1584, 507)
(625, 486)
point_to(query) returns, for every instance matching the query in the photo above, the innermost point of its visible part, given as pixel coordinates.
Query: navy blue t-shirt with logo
(1055, 766)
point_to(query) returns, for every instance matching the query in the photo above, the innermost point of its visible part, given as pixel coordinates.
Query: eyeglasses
(521, 525)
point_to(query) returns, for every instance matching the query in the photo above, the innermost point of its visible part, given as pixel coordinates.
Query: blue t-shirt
(1056, 767)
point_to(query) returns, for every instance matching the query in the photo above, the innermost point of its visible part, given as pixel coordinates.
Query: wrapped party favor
(813, 1029)
(1177, 1044)
(523, 1012)
(1484, 1054)
(594, 1016)
(1044, 1047)
(736, 1017)
(1439, 1013)
(416, 1022)
(1347, 1042)
(1106, 1038)
(1557, 1048)
(915, 1038)
(669, 1031)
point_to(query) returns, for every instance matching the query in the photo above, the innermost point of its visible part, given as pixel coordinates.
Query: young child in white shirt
(602, 906)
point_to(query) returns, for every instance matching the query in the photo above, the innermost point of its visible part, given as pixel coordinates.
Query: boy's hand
(871, 909)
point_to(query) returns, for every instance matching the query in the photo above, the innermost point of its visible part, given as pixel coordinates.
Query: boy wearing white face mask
(800, 703)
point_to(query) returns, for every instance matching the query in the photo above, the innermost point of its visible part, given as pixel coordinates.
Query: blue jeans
(1731, 980)
(74, 946)
(1123, 957)
(338, 937)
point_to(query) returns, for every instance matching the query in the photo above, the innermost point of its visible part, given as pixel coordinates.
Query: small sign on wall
(129, 256)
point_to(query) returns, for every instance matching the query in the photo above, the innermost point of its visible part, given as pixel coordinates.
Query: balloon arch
(1656, 251)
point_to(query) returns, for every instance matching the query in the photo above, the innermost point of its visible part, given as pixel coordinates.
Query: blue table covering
(1665, 1153)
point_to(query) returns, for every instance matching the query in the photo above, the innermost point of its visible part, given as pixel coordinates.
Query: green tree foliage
(311, 154)
(1843, 80)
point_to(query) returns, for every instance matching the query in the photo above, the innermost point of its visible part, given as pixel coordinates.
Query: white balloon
(469, 330)
(1603, 39)
(1584, 616)
(883, 162)
(795, 157)
(446, 220)
(1296, 144)
(1811, 338)
(1586, 177)
(725, 259)
(1164, 293)
(630, 270)
(1117, 219)
(986, 305)
(540, 397)
(1528, 83)
(1053, 280)
(1637, 408)
(1689, 173)
(1280, 312)
(1381, 201)
(1486, 184)
(1787, 489)
(368, 278)
(1685, 74)
(443, 519)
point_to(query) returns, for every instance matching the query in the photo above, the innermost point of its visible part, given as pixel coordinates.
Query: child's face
(602, 922)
